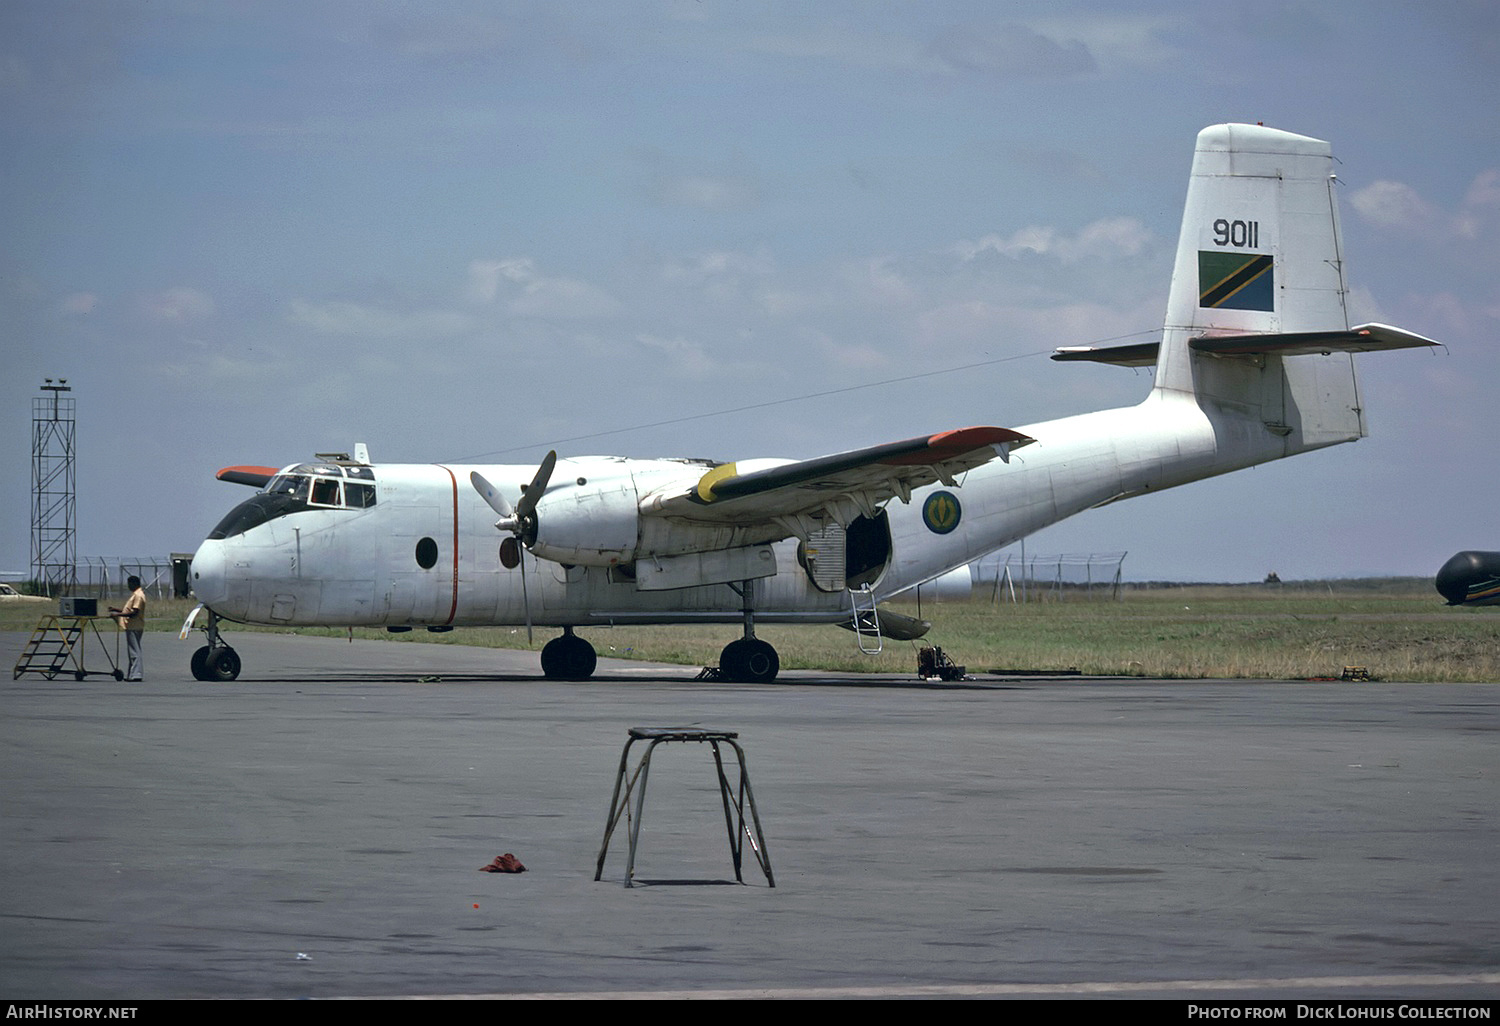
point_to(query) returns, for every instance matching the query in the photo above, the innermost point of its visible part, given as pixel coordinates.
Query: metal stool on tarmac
(734, 801)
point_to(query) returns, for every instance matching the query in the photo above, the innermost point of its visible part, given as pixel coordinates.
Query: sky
(246, 232)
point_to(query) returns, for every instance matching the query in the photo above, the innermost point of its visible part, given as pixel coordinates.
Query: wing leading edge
(828, 485)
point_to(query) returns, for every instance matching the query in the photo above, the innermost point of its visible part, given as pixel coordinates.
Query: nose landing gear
(568, 657)
(749, 661)
(215, 661)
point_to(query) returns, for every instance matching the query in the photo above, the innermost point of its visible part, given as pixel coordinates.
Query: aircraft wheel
(199, 664)
(119, 675)
(222, 664)
(750, 661)
(568, 658)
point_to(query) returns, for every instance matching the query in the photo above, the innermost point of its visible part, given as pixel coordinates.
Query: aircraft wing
(255, 477)
(837, 486)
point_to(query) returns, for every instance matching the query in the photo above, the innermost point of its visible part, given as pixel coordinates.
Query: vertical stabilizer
(1261, 253)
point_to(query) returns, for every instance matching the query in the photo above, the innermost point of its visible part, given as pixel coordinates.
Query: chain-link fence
(1014, 577)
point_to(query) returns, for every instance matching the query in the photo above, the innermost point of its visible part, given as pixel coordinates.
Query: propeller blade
(533, 493)
(525, 599)
(491, 495)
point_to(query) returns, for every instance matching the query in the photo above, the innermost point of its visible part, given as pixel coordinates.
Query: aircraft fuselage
(422, 549)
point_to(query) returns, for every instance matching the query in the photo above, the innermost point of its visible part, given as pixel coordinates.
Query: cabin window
(359, 496)
(427, 553)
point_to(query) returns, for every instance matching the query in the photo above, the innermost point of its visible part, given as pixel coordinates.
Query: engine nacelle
(1471, 578)
(593, 524)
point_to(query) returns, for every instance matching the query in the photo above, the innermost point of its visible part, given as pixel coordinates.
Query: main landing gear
(749, 660)
(568, 657)
(215, 661)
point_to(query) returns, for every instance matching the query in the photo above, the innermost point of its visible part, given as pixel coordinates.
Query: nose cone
(209, 583)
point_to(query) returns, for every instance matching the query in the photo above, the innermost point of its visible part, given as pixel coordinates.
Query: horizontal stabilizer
(1140, 354)
(1367, 338)
(255, 477)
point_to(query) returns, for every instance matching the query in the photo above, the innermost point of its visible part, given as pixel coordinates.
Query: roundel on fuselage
(941, 512)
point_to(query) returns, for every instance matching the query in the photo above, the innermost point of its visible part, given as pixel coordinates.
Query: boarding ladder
(866, 620)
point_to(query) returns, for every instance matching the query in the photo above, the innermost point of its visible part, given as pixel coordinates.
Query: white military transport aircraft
(1254, 363)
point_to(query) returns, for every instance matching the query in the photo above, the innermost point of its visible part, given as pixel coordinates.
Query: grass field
(1398, 629)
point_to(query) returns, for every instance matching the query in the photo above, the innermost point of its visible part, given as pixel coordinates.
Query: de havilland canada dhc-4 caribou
(1255, 363)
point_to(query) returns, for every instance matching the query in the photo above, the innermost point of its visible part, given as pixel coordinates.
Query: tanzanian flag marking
(1236, 281)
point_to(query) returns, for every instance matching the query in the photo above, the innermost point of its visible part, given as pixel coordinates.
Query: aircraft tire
(222, 664)
(750, 661)
(568, 658)
(199, 664)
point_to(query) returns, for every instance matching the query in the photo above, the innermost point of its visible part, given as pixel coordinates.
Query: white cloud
(847, 45)
(1108, 238)
(1126, 39)
(1481, 204)
(1398, 206)
(1395, 205)
(679, 355)
(178, 305)
(360, 321)
(1012, 51)
(527, 292)
(717, 264)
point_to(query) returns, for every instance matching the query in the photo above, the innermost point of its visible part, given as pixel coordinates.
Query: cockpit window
(293, 485)
(325, 492)
(305, 486)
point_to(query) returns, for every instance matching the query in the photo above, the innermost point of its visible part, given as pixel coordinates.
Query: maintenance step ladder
(866, 620)
(57, 646)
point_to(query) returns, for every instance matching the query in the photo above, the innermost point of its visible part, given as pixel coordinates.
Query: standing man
(132, 619)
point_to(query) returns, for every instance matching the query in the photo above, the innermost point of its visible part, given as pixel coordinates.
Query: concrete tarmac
(316, 829)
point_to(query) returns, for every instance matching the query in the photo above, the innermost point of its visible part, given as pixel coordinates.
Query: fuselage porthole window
(427, 553)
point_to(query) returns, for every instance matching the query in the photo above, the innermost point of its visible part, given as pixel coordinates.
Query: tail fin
(1261, 254)
(1257, 331)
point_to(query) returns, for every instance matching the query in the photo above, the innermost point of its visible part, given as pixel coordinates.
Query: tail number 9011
(1244, 234)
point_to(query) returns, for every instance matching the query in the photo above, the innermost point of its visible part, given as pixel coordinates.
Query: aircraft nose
(208, 581)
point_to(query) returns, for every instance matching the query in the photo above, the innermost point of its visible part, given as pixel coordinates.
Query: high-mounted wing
(840, 486)
(255, 477)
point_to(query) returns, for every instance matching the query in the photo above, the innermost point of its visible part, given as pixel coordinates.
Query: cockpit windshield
(302, 487)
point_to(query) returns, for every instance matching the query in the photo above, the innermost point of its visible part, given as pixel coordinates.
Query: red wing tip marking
(256, 476)
(965, 439)
(947, 444)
